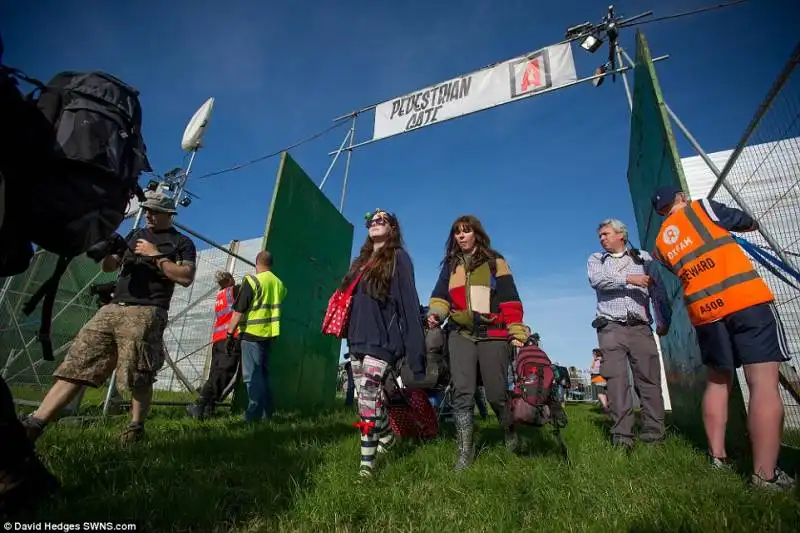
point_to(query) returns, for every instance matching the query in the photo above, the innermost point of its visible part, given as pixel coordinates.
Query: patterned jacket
(483, 303)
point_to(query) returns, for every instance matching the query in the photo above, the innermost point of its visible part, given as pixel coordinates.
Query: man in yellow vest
(732, 311)
(257, 313)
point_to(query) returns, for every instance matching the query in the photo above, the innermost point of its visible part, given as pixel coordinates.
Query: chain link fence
(762, 175)
(187, 338)
(21, 363)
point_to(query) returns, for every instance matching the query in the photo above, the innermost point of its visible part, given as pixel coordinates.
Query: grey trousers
(465, 357)
(623, 345)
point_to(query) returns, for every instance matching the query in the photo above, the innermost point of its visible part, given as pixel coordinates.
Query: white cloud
(561, 308)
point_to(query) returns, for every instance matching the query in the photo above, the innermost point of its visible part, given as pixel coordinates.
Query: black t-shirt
(242, 305)
(140, 280)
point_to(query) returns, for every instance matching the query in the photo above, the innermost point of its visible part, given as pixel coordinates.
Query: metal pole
(339, 151)
(112, 383)
(523, 97)
(625, 77)
(212, 243)
(738, 199)
(347, 163)
(179, 192)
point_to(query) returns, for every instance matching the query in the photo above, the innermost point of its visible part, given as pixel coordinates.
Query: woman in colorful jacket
(383, 327)
(476, 291)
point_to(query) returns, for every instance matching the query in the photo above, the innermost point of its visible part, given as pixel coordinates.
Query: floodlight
(591, 43)
(185, 202)
(602, 69)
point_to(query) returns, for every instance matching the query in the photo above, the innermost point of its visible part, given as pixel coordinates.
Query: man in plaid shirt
(624, 280)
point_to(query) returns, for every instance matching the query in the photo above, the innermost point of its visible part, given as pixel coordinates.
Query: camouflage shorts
(128, 338)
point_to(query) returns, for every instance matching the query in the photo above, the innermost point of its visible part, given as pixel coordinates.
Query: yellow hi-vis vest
(263, 319)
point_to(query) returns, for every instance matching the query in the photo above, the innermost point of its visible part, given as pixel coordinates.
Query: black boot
(202, 409)
(506, 419)
(196, 411)
(511, 438)
(464, 436)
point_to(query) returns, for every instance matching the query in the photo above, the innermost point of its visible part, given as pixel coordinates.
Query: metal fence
(186, 338)
(21, 362)
(762, 176)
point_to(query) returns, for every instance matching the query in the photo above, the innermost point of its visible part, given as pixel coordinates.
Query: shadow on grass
(205, 477)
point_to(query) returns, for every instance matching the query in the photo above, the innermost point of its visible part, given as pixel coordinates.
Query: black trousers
(466, 355)
(222, 374)
(14, 445)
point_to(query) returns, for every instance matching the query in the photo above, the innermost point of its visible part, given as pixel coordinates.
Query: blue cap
(664, 197)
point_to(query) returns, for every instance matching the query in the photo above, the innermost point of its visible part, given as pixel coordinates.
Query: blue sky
(540, 173)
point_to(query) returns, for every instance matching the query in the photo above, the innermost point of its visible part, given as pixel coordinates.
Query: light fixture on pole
(592, 43)
(602, 69)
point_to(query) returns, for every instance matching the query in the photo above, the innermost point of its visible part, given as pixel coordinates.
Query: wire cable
(683, 14)
(273, 154)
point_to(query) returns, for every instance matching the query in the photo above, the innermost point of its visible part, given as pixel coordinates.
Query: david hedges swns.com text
(66, 526)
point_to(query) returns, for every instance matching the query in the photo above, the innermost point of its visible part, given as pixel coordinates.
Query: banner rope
(273, 154)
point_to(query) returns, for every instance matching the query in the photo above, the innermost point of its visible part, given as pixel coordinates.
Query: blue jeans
(255, 374)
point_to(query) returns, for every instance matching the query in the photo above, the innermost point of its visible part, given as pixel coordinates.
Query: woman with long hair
(384, 326)
(476, 291)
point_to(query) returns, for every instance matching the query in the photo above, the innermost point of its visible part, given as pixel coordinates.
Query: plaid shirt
(618, 300)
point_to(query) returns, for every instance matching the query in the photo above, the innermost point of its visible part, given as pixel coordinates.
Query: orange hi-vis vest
(717, 276)
(223, 310)
(596, 377)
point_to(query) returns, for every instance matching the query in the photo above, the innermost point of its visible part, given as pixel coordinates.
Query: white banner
(505, 82)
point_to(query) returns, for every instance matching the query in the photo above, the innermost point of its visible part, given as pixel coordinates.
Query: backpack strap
(48, 291)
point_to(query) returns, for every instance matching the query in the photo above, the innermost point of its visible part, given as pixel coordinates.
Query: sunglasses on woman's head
(380, 221)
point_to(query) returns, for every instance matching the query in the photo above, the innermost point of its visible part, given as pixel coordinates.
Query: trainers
(651, 438)
(781, 481)
(132, 433)
(720, 463)
(365, 472)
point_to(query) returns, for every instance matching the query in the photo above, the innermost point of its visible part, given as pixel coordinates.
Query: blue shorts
(750, 336)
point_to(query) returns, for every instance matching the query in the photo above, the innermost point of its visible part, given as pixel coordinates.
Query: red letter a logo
(532, 75)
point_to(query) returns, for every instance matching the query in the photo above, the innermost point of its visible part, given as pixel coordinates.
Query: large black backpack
(71, 154)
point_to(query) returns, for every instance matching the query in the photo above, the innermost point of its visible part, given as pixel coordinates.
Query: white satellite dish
(194, 131)
(133, 207)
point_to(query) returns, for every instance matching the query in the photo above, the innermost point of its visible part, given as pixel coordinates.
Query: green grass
(299, 474)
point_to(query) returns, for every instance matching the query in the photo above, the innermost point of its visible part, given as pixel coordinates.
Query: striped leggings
(376, 436)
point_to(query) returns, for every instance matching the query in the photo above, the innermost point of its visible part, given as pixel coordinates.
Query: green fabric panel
(654, 162)
(310, 242)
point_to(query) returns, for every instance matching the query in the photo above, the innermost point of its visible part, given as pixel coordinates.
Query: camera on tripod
(104, 292)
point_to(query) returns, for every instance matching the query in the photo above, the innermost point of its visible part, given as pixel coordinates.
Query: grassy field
(299, 474)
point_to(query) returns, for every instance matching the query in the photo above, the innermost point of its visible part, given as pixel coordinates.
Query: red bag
(412, 416)
(335, 320)
(535, 378)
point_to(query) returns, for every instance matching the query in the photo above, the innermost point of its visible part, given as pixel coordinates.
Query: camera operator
(126, 334)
